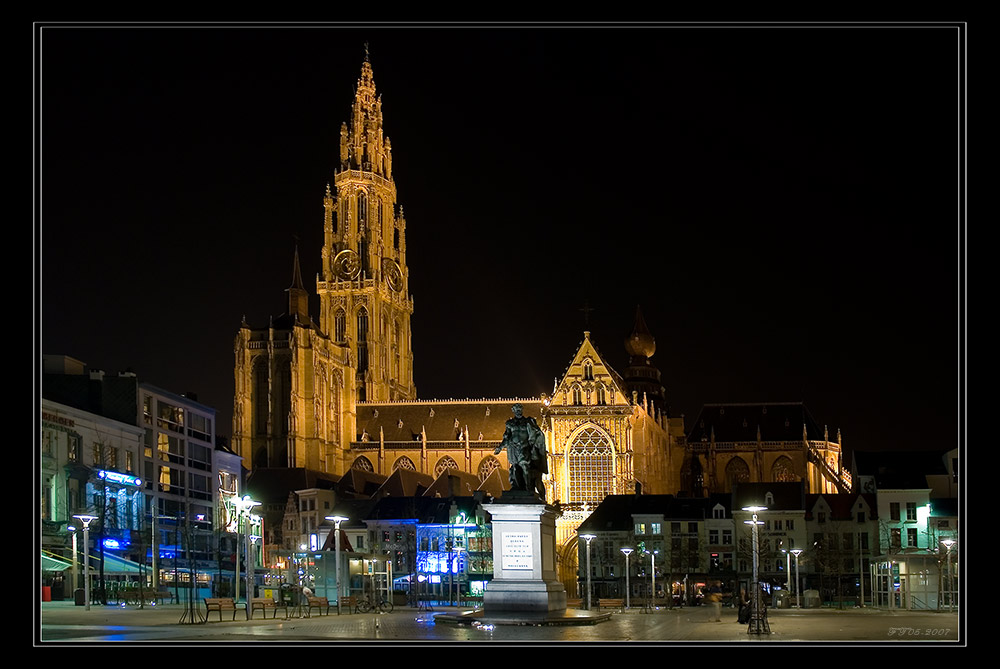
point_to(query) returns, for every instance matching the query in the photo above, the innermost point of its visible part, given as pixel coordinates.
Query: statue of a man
(526, 454)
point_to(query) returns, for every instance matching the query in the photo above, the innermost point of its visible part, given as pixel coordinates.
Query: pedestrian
(715, 601)
(743, 617)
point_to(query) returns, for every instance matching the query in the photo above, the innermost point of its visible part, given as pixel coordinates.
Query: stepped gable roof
(442, 420)
(270, 485)
(787, 496)
(900, 469)
(776, 421)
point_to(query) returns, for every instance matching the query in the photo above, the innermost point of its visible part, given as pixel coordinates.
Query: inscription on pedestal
(515, 550)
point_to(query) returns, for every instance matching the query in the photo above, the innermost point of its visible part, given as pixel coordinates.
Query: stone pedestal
(524, 557)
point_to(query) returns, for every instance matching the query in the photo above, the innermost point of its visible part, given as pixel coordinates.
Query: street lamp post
(337, 520)
(243, 506)
(798, 584)
(788, 569)
(948, 543)
(627, 552)
(86, 520)
(758, 618)
(76, 576)
(652, 578)
(589, 538)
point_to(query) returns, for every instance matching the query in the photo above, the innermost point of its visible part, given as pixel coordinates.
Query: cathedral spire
(298, 297)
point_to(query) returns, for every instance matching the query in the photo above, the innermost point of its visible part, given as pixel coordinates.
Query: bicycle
(365, 605)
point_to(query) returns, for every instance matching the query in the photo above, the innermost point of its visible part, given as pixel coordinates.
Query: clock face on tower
(392, 273)
(347, 264)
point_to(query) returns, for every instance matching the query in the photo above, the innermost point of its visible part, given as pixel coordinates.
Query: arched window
(260, 394)
(591, 467)
(737, 471)
(362, 463)
(588, 371)
(487, 466)
(577, 395)
(340, 326)
(444, 463)
(362, 340)
(404, 462)
(395, 350)
(782, 470)
(362, 211)
(601, 396)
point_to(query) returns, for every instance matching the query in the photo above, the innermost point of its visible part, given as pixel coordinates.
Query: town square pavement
(63, 623)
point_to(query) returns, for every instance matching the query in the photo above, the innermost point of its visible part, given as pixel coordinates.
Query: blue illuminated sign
(115, 477)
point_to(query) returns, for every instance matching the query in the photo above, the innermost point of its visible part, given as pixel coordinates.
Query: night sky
(783, 202)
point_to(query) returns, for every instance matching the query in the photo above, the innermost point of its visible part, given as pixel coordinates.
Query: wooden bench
(607, 603)
(348, 604)
(221, 604)
(161, 596)
(319, 603)
(265, 603)
(574, 603)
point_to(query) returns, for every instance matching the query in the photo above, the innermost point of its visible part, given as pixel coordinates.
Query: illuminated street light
(589, 538)
(243, 507)
(798, 584)
(948, 543)
(86, 520)
(758, 618)
(337, 520)
(627, 552)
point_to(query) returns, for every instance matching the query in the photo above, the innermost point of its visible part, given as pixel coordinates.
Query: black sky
(782, 201)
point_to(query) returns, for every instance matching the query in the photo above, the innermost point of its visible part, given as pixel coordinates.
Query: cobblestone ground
(61, 622)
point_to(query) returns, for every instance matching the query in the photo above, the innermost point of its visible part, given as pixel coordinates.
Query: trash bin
(810, 599)
(782, 599)
(80, 597)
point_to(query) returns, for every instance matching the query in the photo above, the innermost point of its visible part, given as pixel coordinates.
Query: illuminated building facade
(297, 382)
(338, 394)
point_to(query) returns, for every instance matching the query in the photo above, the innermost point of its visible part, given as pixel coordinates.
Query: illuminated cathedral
(338, 394)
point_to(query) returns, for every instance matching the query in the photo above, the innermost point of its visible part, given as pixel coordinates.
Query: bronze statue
(526, 454)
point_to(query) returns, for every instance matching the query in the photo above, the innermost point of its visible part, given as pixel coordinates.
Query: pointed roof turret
(641, 342)
(298, 297)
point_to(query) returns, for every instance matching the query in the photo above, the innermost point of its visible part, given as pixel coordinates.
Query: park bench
(319, 603)
(221, 604)
(609, 603)
(348, 604)
(265, 603)
(161, 596)
(574, 603)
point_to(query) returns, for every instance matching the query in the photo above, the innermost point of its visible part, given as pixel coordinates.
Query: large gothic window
(487, 466)
(362, 463)
(591, 467)
(737, 471)
(444, 463)
(404, 463)
(260, 401)
(395, 351)
(783, 471)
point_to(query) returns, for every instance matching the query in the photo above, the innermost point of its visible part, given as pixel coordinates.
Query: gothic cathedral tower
(298, 383)
(364, 300)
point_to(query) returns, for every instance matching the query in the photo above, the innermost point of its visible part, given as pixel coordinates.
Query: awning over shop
(50, 563)
(115, 565)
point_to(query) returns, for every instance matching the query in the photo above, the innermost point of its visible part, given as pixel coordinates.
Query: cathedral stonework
(338, 396)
